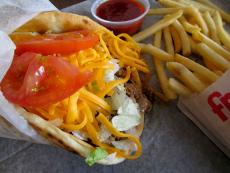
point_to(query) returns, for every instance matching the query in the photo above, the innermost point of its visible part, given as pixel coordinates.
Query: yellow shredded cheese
(113, 84)
(78, 111)
(72, 114)
(75, 127)
(102, 119)
(136, 76)
(95, 99)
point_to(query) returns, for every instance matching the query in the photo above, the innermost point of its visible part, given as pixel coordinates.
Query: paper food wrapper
(14, 13)
(210, 111)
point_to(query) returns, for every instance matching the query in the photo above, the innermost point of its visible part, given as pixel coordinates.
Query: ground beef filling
(136, 93)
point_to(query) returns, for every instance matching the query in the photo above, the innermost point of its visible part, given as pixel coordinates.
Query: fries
(210, 66)
(187, 26)
(166, 21)
(212, 44)
(156, 52)
(223, 35)
(211, 26)
(162, 11)
(194, 12)
(186, 48)
(179, 88)
(176, 39)
(198, 5)
(170, 3)
(158, 39)
(168, 41)
(225, 15)
(209, 54)
(162, 76)
(198, 30)
(203, 79)
(197, 68)
(186, 76)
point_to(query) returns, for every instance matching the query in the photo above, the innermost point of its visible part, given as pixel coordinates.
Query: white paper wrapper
(210, 111)
(14, 13)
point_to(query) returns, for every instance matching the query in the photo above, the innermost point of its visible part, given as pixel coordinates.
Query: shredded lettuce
(104, 134)
(96, 155)
(125, 122)
(128, 114)
(125, 145)
(110, 74)
(119, 97)
(128, 107)
(80, 135)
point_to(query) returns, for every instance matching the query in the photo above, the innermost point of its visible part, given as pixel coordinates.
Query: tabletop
(64, 3)
(178, 146)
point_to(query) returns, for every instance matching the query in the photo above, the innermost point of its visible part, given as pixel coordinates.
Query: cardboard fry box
(210, 111)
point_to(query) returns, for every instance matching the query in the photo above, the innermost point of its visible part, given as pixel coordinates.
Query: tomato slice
(48, 44)
(36, 81)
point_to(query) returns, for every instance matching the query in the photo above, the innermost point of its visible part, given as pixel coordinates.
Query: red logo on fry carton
(218, 108)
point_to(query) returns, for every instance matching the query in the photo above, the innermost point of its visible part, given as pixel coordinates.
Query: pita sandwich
(103, 120)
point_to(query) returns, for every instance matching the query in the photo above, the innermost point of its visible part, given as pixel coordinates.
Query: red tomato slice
(36, 81)
(48, 44)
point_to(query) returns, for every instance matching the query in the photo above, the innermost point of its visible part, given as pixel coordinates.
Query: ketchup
(119, 11)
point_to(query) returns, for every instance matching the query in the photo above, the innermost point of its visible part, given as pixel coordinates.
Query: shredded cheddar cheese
(113, 84)
(78, 112)
(101, 118)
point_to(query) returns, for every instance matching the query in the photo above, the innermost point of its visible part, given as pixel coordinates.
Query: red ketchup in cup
(121, 16)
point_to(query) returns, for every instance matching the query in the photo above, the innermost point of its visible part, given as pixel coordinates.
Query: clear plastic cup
(129, 26)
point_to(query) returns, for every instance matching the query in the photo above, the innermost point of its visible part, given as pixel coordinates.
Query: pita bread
(58, 22)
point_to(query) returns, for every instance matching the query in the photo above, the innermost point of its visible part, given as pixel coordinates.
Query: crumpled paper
(14, 13)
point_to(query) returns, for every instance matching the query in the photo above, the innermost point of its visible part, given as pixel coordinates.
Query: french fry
(186, 48)
(212, 44)
(176, 39)
(166, 21)
(195, 13)
(157, 39)
(218, 72)
(210, 66)
(170, 3)
(168, 41)
(198, 5)
(186, 3)
(186, 76)
(193, 45)
(197, 68)
(156, 52)
(203, 79)
(224, 14)
(162, 11)
(211, 26)
(223, 35)
(179, 88)
(188, 26)
(204, 6)
(162, 76)
(209, 54)
(192, 21)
